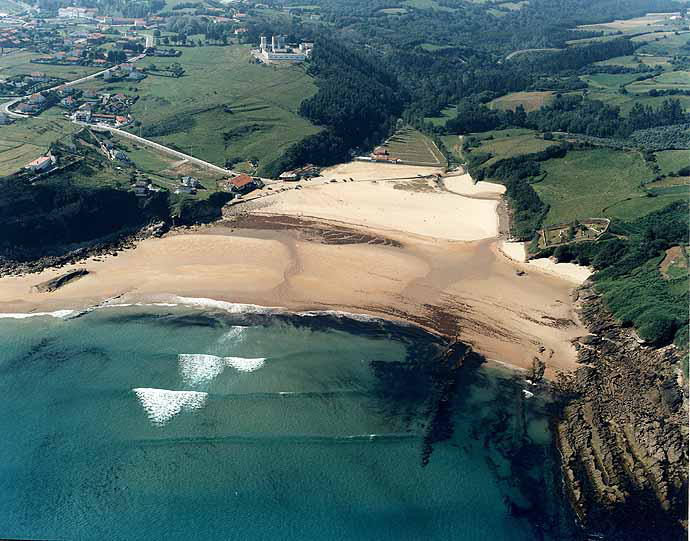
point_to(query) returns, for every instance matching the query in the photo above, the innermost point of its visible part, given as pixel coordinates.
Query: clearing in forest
(503, 144)
(531, 101)
(594, 183)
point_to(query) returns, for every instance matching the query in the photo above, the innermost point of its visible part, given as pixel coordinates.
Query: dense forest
(573, 114)
(357, 104)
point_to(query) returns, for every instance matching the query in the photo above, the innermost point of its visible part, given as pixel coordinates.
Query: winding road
(5, 106)
(147, 142)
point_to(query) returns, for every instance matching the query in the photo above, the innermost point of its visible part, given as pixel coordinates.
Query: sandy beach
(415, 253)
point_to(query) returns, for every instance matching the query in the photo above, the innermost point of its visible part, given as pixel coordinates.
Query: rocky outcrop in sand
(623, 433)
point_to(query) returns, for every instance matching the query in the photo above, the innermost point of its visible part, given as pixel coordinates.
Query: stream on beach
(178, 422)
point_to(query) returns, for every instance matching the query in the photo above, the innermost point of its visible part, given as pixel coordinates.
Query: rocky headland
(623, 432)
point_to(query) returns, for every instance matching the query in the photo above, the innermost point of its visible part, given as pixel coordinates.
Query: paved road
(170, 151)
(181, 155)
(521, 51)
(5, 106)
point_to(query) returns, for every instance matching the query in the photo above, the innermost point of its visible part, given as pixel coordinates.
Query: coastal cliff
(623, 432)
(51, 224)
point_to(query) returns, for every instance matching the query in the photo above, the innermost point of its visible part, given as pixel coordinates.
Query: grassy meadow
(670, 161)
(588, 184)
(26, 140)
(531, 101)
(446, 114)
(225, 107)
(679, 80)
(19, 63)
(502, 144)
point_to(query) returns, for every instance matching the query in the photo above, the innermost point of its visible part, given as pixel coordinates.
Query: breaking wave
(200, 369)
(57, 313)
(161, 405)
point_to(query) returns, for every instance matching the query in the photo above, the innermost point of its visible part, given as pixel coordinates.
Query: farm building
(243, 184)
(39, 164)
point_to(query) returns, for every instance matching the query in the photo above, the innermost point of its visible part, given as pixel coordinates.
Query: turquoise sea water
(175, 423)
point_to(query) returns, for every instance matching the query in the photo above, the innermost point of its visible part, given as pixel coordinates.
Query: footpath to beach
(421, 250)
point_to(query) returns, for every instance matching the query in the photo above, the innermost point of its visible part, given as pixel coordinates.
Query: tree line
(568, 113)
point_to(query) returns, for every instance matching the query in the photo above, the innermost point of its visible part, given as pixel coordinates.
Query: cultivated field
(588, 184)
(412, 147)
(531, 101)
(225, 107)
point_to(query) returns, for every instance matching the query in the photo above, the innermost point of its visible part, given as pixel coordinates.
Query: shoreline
(401, 267)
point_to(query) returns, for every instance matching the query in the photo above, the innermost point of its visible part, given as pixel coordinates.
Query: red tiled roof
(240, 181)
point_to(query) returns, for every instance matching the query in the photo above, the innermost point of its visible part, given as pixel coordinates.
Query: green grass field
(446, 114)
(26, 140)
(453, 145)
(609, 81)
(626, 102)
(668, 46)
(502, 144)
(426, 4)
(640, 205)
(585, 183)
(634, 61)
(19, 63)
(432, 47)
(531, 101)
(224, 107)
(411, 146)
(514, 6)
(670, 161)
(679, 80)
(163, 167)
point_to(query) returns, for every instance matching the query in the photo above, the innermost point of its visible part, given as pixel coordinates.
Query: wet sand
(465, 289)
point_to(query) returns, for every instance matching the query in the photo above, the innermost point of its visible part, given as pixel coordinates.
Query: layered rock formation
(623, 433)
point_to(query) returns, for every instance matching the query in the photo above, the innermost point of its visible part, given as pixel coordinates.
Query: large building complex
(279, 51)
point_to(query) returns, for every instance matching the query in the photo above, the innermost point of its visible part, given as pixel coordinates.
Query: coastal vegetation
(627, 264)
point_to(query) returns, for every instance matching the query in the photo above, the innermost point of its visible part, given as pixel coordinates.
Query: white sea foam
(242, 364)
(56, 313)
(161, 405)
(235, 334)
(231, 307)
(199, 369)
